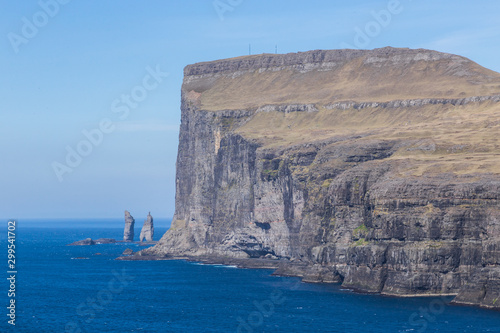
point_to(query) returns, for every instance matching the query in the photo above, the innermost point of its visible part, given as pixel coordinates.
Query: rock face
(377, 169)
(128, 233)
(147, 230)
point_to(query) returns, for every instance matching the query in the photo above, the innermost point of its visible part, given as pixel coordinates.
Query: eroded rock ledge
(413, 103)
(318, 59)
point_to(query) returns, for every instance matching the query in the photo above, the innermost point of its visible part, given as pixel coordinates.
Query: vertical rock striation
(147, 230)
(128, 233)
(377, 169)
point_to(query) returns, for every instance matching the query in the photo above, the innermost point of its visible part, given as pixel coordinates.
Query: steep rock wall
(342, 206)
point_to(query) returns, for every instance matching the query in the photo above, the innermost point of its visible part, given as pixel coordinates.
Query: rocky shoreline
(256, 263)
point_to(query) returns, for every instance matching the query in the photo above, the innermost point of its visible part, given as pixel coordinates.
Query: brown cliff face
(376, 168)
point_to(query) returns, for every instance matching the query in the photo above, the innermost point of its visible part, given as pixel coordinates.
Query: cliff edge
(378, 169)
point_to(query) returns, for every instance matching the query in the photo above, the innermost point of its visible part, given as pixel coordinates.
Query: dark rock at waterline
(105, 241)
(127, 252)
(86, 241)
(89, 241)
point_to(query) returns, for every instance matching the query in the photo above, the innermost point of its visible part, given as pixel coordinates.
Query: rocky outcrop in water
(86, 241)
(90, 241)
(128, 252)
(105, 241)
(128, 233)
(147, 230)
(377, 169)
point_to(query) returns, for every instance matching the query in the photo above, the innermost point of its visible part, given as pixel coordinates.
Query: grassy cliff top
(435, 138)
(448, 133)
(323, 77)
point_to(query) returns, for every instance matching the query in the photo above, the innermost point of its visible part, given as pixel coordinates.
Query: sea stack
(148, 230)
(128, 233)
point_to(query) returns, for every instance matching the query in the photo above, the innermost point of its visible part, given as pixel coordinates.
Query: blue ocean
(62, 288)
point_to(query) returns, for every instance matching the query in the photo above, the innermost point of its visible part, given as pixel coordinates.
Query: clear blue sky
(74, 63)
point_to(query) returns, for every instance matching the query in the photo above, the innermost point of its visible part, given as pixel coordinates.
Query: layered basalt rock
(377, 169)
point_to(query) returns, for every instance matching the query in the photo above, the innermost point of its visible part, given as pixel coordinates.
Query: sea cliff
(378, 169)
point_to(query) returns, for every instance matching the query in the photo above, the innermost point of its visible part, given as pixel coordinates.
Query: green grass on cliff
(440, 138)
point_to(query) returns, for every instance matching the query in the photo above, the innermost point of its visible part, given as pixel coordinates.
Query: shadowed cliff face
(378, 169)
